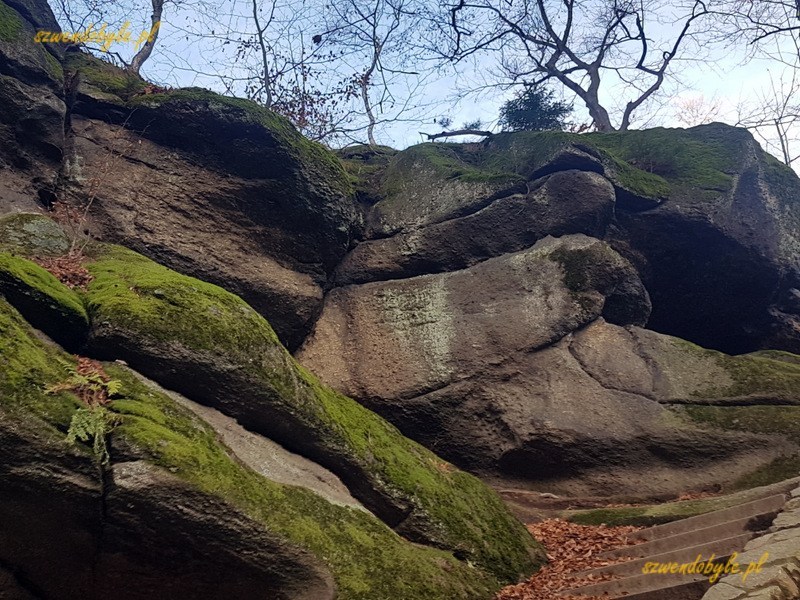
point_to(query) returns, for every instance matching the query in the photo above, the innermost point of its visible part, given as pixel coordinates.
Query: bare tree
(147, 48)
(578, 44)
(773, 116)
(80, 15)
(696, 110)
(368, 28)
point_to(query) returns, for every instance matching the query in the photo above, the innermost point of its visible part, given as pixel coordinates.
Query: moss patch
(103, 75)
(10, 24)
(157, 306)
(679, 156)
(751, 375)
(445, 162)
(488, 536)
(314, 155)
(367, 559)
(20, 273)
(650, 515)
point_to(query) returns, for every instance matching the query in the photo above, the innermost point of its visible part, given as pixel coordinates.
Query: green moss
(446, 162)
(315, 155)
(649, 515)
(683, 158)
(28, 369)
(53, 66)
(367, 559)
(750, 375)
(155, 305)
(489, 536)
(18, 274)
(10, 23)
(103, 75)
(140, 295)
(30, 234)
(782, 420)
(780, 469)
(777, 355)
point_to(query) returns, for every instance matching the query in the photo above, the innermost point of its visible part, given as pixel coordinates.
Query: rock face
(508, 369)
(431, 325)
(243, 201)
(198, 339)
(488, 299)
(33, 109)
(708, 219)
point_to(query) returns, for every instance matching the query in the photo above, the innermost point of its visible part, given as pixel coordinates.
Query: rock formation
(597, 314)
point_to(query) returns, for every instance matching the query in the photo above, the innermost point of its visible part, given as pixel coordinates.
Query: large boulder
(558, 204)
(509, 369)
(720, 258)
(709, 220)
(213, 186)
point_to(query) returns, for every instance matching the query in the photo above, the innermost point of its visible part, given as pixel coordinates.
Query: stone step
(721, 549)
(754, 524)
(755, 508)
(647, 587)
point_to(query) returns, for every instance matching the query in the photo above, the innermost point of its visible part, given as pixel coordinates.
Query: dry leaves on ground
(68, 269)
(571, 548)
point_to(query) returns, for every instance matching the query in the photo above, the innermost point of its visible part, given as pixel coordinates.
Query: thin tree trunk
(144, 53)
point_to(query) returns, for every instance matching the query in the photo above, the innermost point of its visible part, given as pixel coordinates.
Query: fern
(93, 423)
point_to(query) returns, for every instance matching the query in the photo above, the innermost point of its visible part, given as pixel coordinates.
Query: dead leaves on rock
(571, 548)
(68, 269)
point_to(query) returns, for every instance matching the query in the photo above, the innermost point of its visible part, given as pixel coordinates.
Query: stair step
(647, 587)
(721, 549)
(756, 523)
(758, 507)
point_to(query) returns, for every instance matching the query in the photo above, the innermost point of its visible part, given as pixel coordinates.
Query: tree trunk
(146, 50)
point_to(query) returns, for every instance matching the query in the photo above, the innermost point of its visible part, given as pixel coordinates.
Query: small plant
(93, 386)
(93, 423)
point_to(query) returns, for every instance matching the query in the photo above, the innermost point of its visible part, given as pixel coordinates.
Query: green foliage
(534, 108)
(93, 424)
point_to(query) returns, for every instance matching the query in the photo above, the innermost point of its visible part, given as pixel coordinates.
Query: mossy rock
(211, 346)
(11, 24)
(237, 117)
(32, 235)
(368, 560)
(104, 77)
(433, 182)
(44, 301)
(365, 166)
(23, 58)
(745, 376)
(534, 154)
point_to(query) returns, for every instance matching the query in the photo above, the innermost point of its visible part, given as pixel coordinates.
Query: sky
(723, 81)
